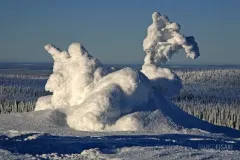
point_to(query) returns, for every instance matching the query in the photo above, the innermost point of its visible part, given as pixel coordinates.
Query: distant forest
(212, 95)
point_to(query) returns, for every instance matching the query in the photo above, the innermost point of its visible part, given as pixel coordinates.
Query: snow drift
(96, 98)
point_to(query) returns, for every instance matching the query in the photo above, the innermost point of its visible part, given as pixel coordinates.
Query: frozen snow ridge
(95, 98)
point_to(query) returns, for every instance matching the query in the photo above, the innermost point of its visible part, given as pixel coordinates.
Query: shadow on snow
(46, 143)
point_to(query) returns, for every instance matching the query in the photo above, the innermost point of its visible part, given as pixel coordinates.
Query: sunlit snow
(96, 98)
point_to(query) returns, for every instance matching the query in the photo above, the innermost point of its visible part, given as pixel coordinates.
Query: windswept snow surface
(43, 135)
(90, 100)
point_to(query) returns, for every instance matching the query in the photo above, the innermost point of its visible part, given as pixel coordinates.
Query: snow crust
(96, 98)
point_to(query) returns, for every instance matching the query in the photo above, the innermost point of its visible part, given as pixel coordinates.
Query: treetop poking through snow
(164, 39)
(96, 98)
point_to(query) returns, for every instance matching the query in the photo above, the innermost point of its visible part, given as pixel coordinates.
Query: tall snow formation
(162, 42)
(96, 98)
(72, 72)
(164, 39)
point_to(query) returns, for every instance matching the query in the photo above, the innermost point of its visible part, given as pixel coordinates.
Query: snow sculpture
(163, 40)
(72, 72)
(95, 98)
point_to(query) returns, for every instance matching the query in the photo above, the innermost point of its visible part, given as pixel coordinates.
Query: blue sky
(113, 31)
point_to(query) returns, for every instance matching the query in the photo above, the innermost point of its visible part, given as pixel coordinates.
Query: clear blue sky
(113, 31)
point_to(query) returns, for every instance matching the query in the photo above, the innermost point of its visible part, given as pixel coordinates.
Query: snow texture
(162, 42)
(169, 146)
(164, 39)
(96, 98)
(125, 147)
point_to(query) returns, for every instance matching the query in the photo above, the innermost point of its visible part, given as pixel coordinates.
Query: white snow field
(103, 113)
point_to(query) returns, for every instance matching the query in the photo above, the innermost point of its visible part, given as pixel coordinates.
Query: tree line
(212, 95)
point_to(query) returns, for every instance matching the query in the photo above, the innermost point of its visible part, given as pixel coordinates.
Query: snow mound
(96, 98)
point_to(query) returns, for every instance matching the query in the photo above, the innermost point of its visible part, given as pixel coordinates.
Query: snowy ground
(134, 152)
(37, 135)
(43, 135)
